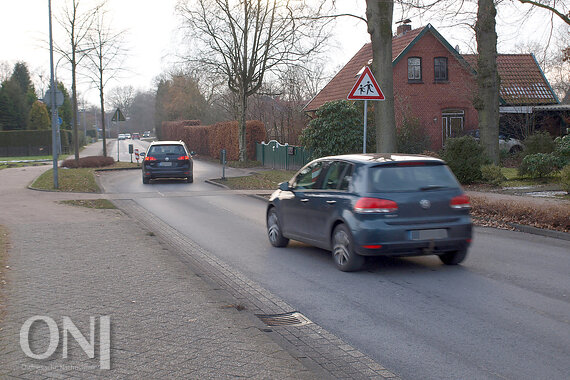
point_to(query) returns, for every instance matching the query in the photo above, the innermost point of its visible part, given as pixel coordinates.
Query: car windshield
(411, 178)
(166, 149)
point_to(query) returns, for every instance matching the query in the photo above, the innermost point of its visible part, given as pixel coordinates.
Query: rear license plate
(165, 163)
(440, 233)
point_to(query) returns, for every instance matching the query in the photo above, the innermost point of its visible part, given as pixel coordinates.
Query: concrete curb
(539, 231)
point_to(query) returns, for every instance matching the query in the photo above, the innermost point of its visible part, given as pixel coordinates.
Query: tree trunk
(379, 14)
(103, 115)
(487, 100)
(74, 107)
(241, 124)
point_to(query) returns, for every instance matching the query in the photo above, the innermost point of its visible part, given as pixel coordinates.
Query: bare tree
(559, 8)
(106, 55)
(123, 98)
(244, 40)
(77, 26)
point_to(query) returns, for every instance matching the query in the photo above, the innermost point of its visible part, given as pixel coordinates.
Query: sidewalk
(166, 321)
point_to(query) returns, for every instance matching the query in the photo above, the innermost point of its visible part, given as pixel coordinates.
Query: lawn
(24, 158)
(515, 180)
(80, 180)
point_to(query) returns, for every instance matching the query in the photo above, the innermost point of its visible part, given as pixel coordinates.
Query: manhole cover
(287, 319)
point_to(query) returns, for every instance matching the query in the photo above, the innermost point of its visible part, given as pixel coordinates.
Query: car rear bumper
(167, 173)
(371, 239)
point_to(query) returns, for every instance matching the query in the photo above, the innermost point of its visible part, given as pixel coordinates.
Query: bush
(565, 178)
(492, 174)
(337, 129)
(411, 137)
(88, 162)
(540, 165)
(562, 147)
(464, 155)
(539, 142)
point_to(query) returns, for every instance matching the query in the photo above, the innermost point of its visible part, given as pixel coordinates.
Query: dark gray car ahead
(373, 204)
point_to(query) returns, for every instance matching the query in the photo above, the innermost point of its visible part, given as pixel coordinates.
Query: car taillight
(182, 158)
(149, 158)
(375, 205)
(460, 202)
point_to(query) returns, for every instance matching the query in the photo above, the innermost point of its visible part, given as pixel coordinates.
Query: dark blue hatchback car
(373, 204)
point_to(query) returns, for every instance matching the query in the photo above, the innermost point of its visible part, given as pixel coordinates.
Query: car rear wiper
(432, 187)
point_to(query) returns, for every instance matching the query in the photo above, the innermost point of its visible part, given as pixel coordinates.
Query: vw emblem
(167, 159)
(425, 204)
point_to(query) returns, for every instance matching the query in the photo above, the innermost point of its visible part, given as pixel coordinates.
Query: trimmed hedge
(209, 140)
(31, 143)
(88, 162)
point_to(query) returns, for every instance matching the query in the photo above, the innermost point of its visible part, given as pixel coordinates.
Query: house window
(414, 69)
(452, 123)
(440, 69)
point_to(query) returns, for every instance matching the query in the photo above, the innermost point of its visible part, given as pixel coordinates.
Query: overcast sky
(151, 27)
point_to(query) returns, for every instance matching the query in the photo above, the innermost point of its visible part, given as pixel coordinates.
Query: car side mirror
(284, 186)
(192, 153)
(143, 154)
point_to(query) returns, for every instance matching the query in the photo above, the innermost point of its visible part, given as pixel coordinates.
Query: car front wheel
(342, 250)
(274, 233)
(453, 258)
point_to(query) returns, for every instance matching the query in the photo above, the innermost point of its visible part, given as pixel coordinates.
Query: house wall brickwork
(428, 99)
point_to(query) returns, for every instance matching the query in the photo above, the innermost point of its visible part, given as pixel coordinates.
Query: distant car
(506, 143)
(121, 136)
(167, 159)
(146, 134)
(373, 205)
(136, 136)
(127, 136)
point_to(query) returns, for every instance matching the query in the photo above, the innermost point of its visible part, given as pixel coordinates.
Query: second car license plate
(440, 233)
(166, 164)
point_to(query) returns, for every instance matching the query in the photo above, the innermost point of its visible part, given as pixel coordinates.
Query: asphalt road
(503, 314)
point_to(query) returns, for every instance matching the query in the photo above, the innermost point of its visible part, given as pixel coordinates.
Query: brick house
(436, 84)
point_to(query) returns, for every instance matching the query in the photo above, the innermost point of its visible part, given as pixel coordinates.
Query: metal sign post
(366, 88)
(223, 162)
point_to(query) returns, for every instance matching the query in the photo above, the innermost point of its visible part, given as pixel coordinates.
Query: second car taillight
(149, 158)
(183, 158)
(460, 202)
(375, 205)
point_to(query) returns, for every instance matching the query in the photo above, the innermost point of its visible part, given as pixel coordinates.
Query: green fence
(277, 156)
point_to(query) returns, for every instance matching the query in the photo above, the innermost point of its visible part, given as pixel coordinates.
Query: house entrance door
(452, 123)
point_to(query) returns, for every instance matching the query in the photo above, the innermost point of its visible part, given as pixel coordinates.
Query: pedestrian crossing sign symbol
(366, 88)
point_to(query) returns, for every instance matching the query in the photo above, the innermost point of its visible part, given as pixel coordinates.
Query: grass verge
(100, 204)
(498, 213)
(265, 180)
(79, 180)
(22, 164)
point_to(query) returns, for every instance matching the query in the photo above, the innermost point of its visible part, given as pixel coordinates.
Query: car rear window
(411, 178)
(174, 149)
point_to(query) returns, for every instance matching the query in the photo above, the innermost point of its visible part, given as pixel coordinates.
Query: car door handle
(331, 202)
(305, 200)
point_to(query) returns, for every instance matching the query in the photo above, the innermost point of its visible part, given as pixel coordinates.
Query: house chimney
(404, 27)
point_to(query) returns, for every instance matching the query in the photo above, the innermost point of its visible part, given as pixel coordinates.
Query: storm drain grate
(287, 319)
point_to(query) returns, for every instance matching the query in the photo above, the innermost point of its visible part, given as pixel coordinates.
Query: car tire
(146, 180)
(343, 253)
(190, 179)
(453, 258)
(274, 233)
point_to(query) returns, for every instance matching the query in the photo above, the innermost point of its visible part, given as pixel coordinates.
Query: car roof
(167, 142)
(383, 158)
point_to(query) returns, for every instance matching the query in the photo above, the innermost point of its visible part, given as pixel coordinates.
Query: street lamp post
(54, 144)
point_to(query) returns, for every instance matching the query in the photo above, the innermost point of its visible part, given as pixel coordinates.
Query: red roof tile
(344, 80)
(522, 81)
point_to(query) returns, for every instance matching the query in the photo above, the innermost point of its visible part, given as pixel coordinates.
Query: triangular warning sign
(366, 88)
